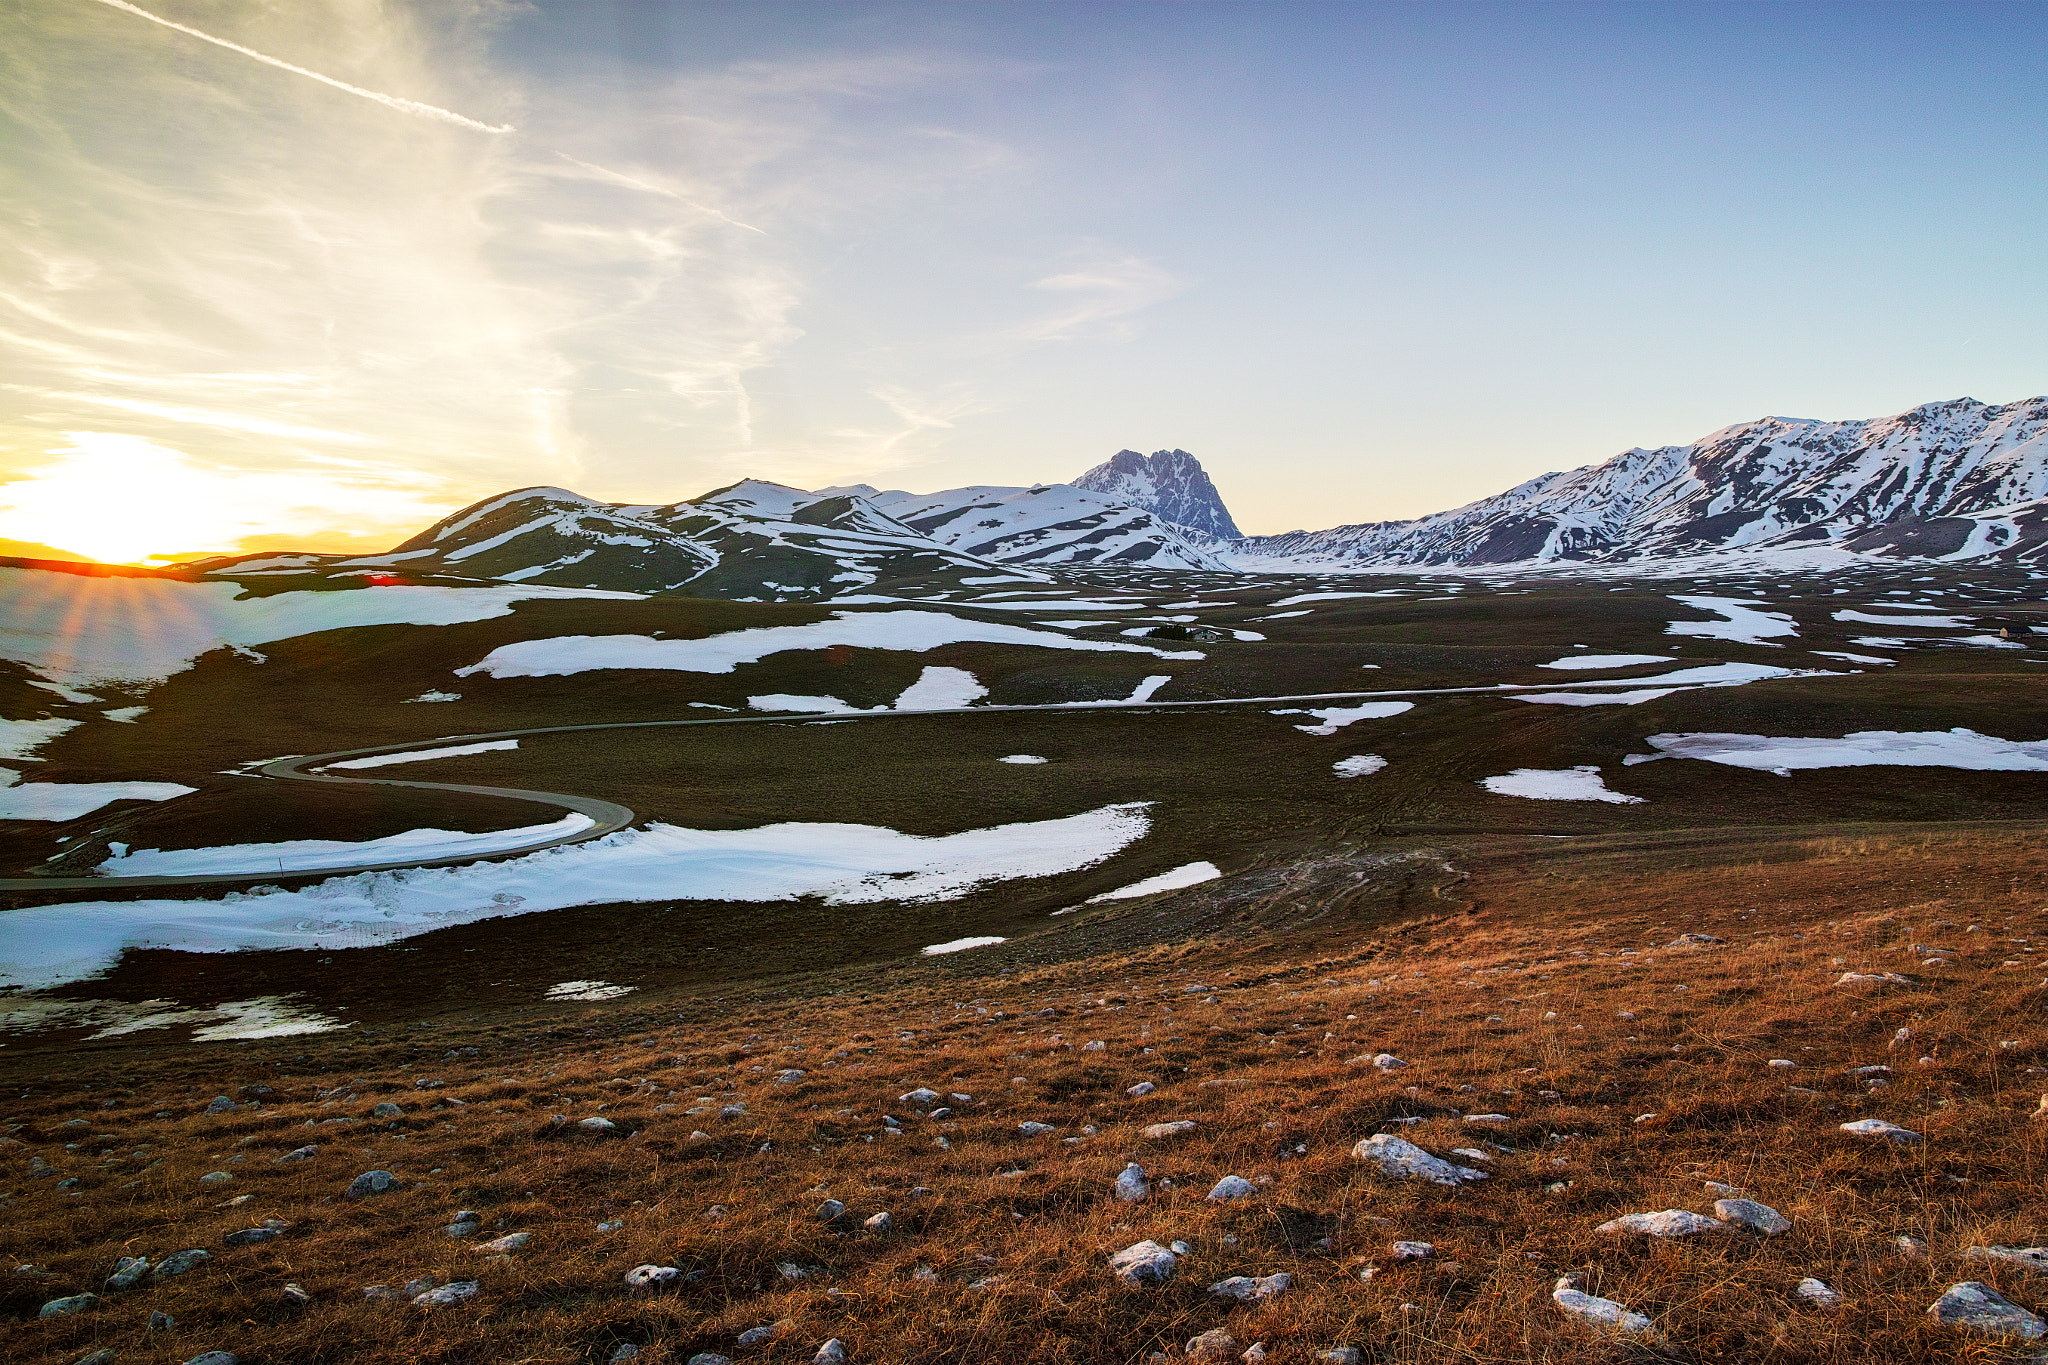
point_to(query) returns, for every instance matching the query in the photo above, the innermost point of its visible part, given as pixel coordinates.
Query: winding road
(609, 816)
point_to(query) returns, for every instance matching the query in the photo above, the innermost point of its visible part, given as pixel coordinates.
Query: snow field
(1582, 783)
(1606, 660)
(1335, 718)
(69, 800)
(313, 855)
(1744, 623)
(1957, 748)
(843, 864)
(1188, 874)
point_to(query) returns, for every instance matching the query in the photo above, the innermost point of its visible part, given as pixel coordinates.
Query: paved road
(610, 816)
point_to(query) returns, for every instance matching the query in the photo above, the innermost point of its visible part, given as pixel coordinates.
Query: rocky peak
(1170, 484)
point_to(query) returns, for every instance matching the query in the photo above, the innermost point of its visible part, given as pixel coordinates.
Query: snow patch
(1957, 748)
(69, 800)
(1606, 660)
(1636, 698)
(1335, 718)
(421, 755)
(941, 689)
(1189, 874)
(588, 990)
(1020, 758)
(1582, 783)
(1359, 765)
(1743, 622)
(314, 855)
(21, 738)
(791, 701)
(960, 945)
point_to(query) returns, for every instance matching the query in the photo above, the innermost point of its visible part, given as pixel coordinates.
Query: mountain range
(1961, 480)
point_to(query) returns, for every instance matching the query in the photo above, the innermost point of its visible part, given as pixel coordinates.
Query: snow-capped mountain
(1170, 484)
(1049, 524)
(1959, 478)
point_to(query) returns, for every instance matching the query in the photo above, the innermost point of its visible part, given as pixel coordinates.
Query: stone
(788, 1076)
(1751, 1216)
(448, 1295)
(178, 1262)
(248, 1237)
(506, 1245)
(297, 1154)
(1033, 1128)
(1402, 1159)
(2028, 1258)
(832, 1352)
(1782, 1063)
(922, 1097)
(377, 1293)
(1230, 1187)
(1254, 1354)
(622, 1352)
(757, 1336)
(1159, 1132)
(652, 1276)
(160, 1321)
(1816, 1293)
(597, 1125)
(369, 1183)
(1131, 1185)
(1213, 1345)
(1878, 1128)
(419, 1286)
(127, 1271)
(1341, 1355)
(1599, 1312)
(1143, 1263)
(1488, 1118)
(103, 1356)
(467, 1224)
(215, 1178)
(880, 1222)
(215, 1358)
(1413, 1251)
(386, 1110)
(1977, 1307)
(1667, 1223)
(831, 1211)
(710, 1358)
(221, 1104)
(1387, 1061)
(1249, 1289)
(1873, 979)
(292, 1296)
(64, 1308)
(1141, 1089)
(1912, 1248)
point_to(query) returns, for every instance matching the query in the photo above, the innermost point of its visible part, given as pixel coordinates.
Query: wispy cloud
(1101, 299)
(401, 104)
(226, 421)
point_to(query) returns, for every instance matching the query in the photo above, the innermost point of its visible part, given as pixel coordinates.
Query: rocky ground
(1755, 1100)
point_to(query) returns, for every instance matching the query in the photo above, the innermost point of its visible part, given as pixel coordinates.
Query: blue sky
(1365, 261)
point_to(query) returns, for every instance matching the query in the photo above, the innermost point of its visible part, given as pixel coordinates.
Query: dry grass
(1516, 1008)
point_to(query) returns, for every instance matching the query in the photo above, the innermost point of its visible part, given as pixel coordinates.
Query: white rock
(1978, 1307)
(652, 1276)
(832, 1352)
(1254, 1354)
(1912, 1248)
(756, 1336)
(1246, 1289)
(1032, 1128)
(1216, 1344)
(1752, 1216)
(447, 1295)
(1141, 1089)
(1387, 1061)
(1782, 1063)
(880, 1222)
(2030, 1258)
(1873, 979)
(1488, 1118)
(1341, 1355)
(1401, 1158)
(1725, 1191)
(1878, 1128)
(1143, 1263)
(1413, 1251)
(506, 1245)
(1230, 1187)
(1816, 1293)
(1160, 1131)
(1601, 1312)
(1095, 1045)
(921, 1097)
(1666, 1223)
(1131, 1186)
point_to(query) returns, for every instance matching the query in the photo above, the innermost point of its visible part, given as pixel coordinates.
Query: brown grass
(1015, 1230)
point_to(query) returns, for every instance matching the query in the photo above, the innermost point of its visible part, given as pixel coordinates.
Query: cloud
(402, 105)
(1102, 299)
(226, 421)
(119, 498)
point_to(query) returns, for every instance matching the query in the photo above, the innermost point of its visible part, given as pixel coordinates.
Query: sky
(311, 273)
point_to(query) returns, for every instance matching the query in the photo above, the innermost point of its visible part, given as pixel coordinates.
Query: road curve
(609, 816)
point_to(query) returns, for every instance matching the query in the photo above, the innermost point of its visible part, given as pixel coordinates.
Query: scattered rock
(1341, 1355)
(756, 1336)
(1254, 1354)
(506, 1245)
(923, 1097)
(64, 1308)
(160, 1321)
(788, 1076)
(1131, 1185)
(369, 1183)
(1912, 1248)
(1693, 941)
(831, 1211)
(1230, 1187)
(622, 1352)
(1033, 1128)
(2029, 1258)
(386, 1110)
(1402, 1159)
(298, 1154)
(1873, 979)
(1159, 1132)
(1977, 1307)
(178, 1262)
(880, 1222)
(215, 1178)
(1816, 1293)
(292, 1296)
(597, 1125)
(710, 1358)
(1751, 1216)
(1246, 1289)
(1878, 1128)
(1782, 1063)
(652, 1276)
(468, 1222)
(221, 1104)
(1387, 1061)
(1141, 1089)
(103, 1356)
(832, 1352)
(1413, 1251)
(1667, 1223)
(215, 1358)
(248, 1237)
(1488, 1118)
(447, 1295)
(1601, 1312)
(1213, 1345)
(127, 1271)
(1143, 1263)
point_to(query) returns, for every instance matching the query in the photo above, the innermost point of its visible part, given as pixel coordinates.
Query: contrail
(404, 106)
(625, 179)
